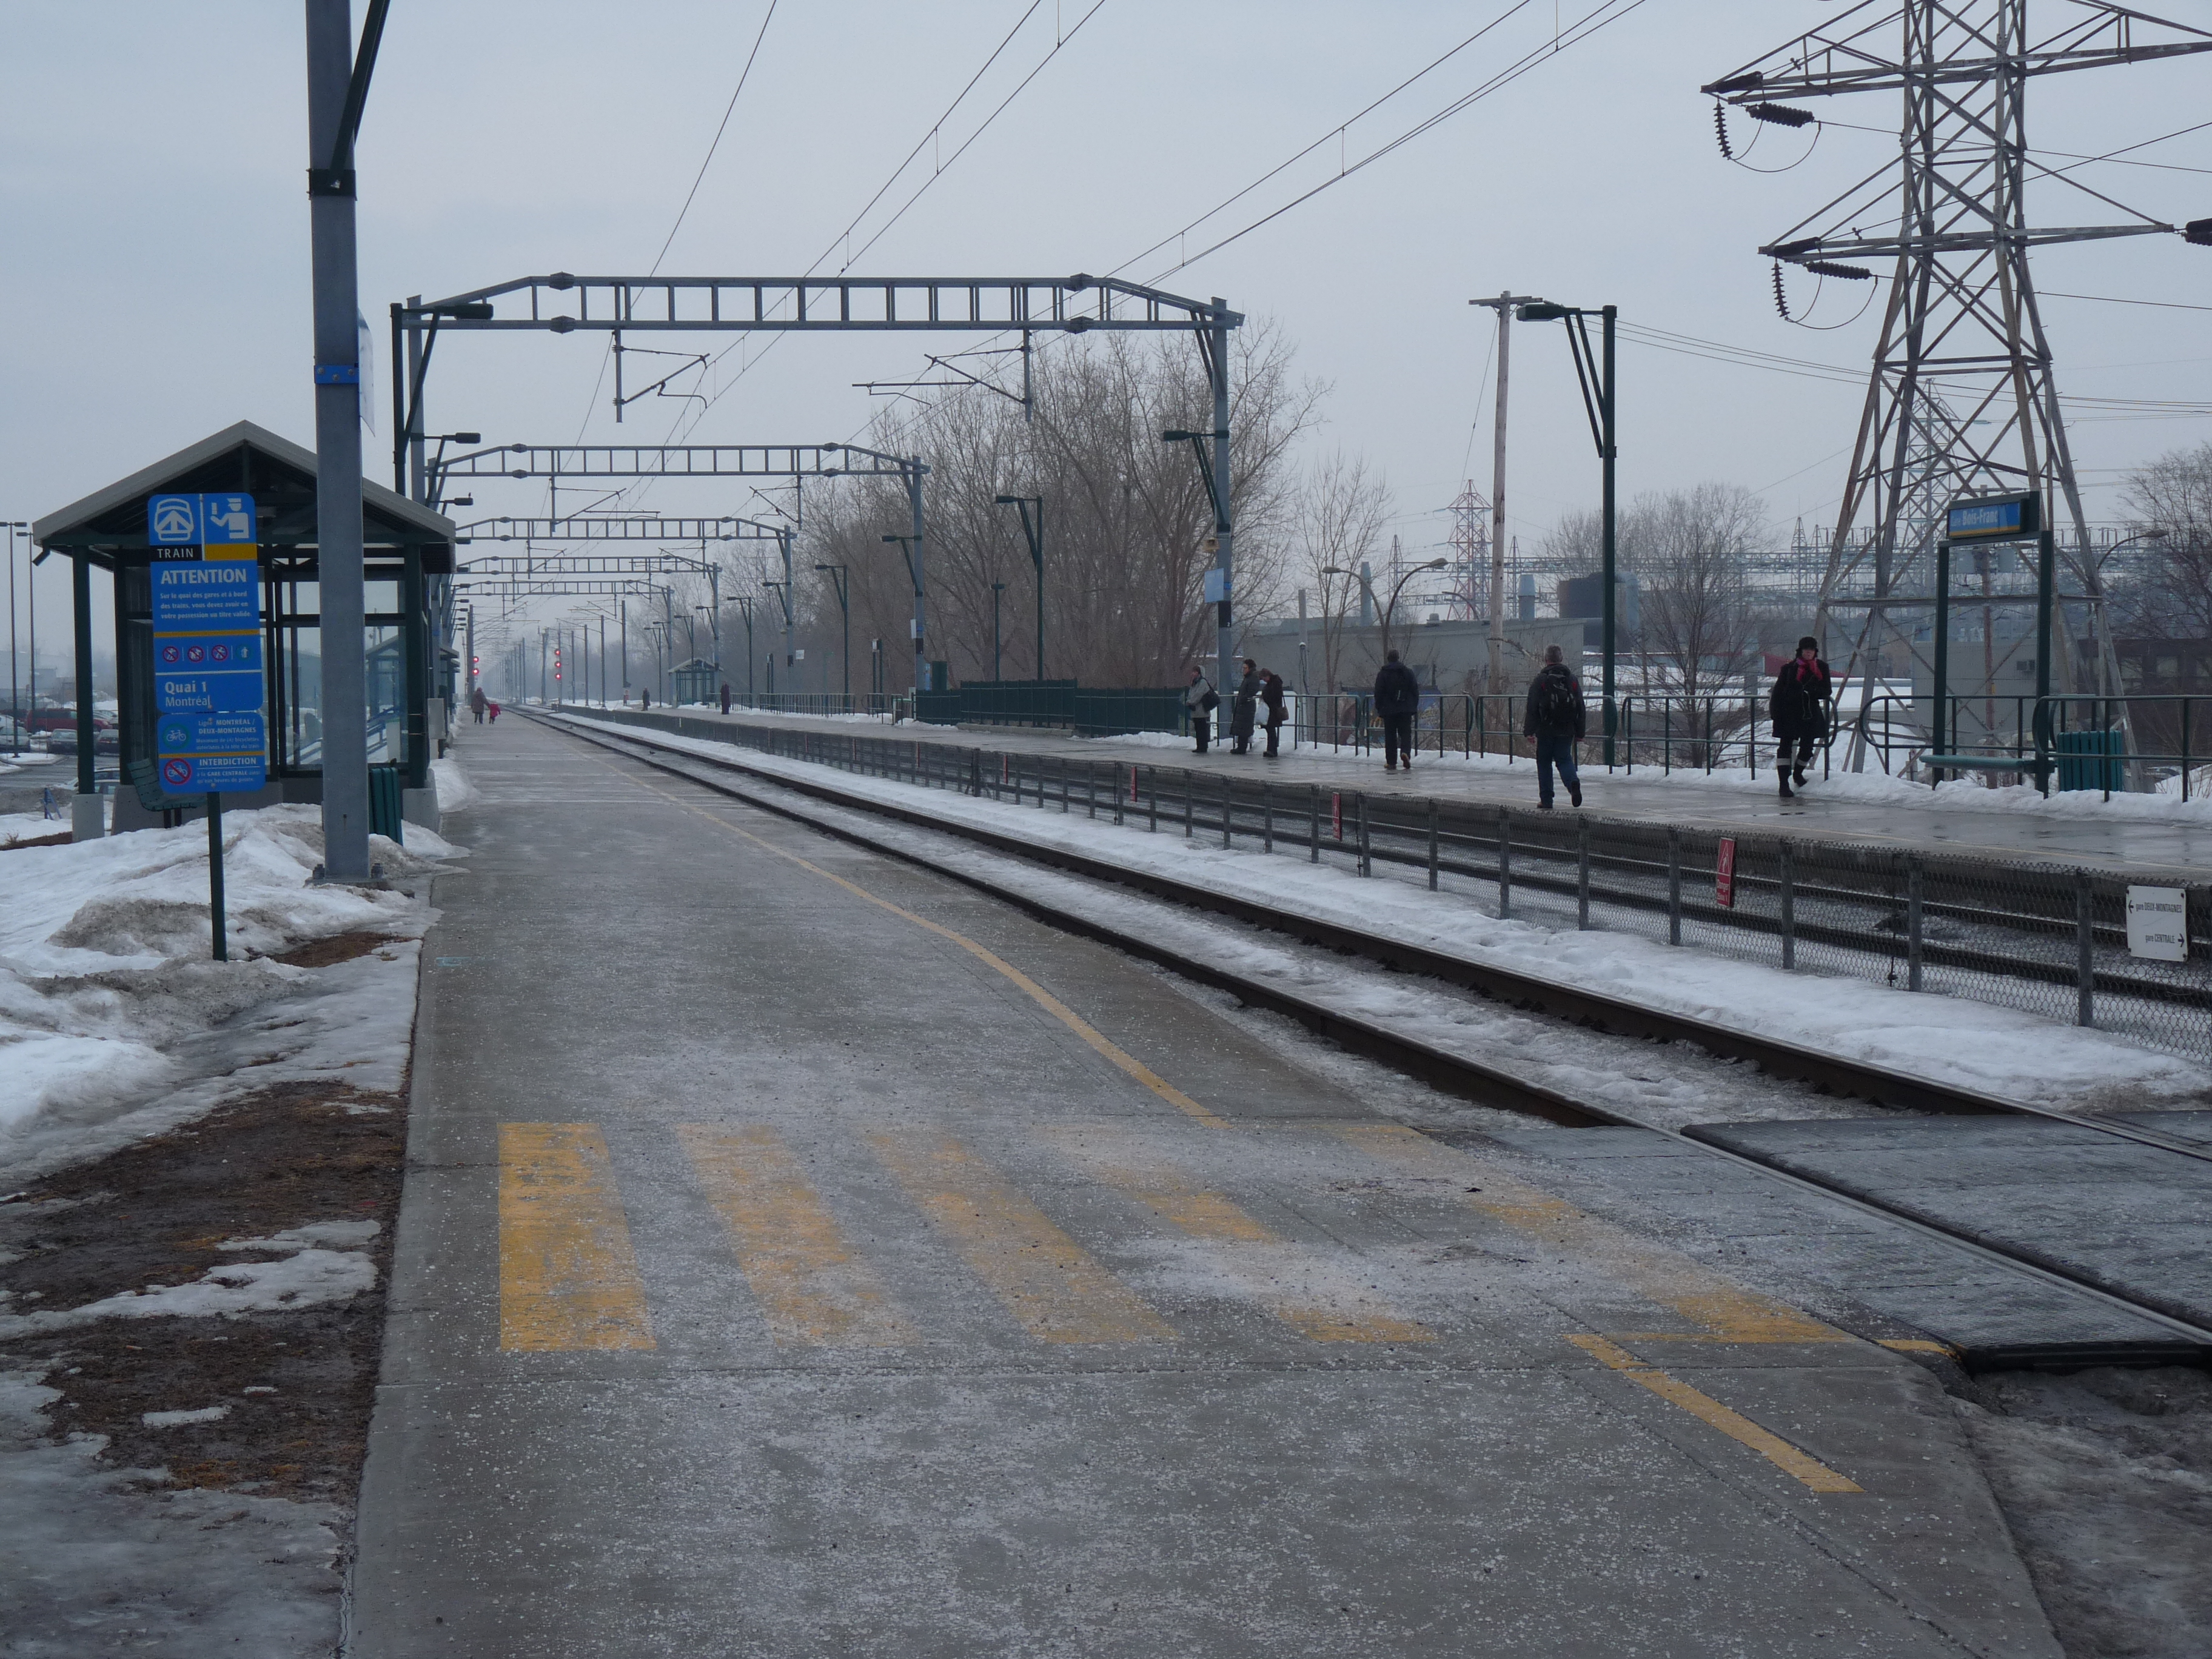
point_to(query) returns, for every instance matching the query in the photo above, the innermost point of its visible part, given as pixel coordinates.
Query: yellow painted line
(1918, 1344)
(1706, 1409)
(567, 1277)
(813, 1289)
(1050, 1284)
(1663, 1277)
(1052, 1004)
(1255, 1253)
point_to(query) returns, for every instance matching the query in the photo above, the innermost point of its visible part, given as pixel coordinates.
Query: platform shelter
(407, 552)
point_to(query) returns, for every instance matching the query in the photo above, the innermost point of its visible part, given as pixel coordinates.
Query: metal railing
(2037, 936)
(1672, 733)
(2141, 742)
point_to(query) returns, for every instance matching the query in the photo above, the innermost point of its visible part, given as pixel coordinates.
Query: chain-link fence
(2038, 936)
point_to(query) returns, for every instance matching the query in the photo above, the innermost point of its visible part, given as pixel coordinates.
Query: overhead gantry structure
(560, 303)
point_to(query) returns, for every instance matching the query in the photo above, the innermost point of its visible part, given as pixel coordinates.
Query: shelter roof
(110, 524)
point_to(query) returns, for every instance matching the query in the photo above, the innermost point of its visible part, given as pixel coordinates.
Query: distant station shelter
(408, 570)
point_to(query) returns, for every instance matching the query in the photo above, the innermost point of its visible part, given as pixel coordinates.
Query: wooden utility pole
(1502, 305)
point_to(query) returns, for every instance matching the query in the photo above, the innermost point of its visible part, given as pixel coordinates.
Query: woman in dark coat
(1798, 706)
(1271, 694)
(1244, 711)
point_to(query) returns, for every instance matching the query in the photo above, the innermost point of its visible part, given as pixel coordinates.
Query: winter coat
(1195, 694)
(1246, 707)
(478, 700)
(1396, 690)
(1271, 693)
(1536, 723)
(1798, 705)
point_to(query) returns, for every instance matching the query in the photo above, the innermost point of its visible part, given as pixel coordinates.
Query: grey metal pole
(1225, 531)
(81, 599)
(338, 455)
(914, 500)
(1498, 504)
(790, 640)
(2047, 574)
(1611, 314)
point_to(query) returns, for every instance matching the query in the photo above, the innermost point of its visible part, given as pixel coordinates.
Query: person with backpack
(1245, 708)
(1271, 696)
(1397, 699)
(1201, 700)
(1554, 714)
(1798, 706)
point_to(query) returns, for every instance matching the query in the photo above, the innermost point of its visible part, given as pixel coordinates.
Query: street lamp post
(1595, 374)
(1390, 609)
(14, 528)
(745, 604)
(1034, 534)
(998, 592)
(840, 575)
(782, 592)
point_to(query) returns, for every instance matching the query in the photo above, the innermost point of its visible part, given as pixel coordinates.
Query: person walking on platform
(1554, 714)
(726, 697)
(1244, 709)
(1798, 706)
(1201, 700)
(1397, 699)
(476, 700)
(1271, 694)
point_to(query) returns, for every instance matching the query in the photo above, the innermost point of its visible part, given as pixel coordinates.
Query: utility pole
(337, 88)
(1502, 305)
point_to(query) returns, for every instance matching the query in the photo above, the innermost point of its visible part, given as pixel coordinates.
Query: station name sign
(1995, 519)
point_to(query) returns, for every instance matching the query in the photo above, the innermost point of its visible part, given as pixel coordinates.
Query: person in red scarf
(1798, 705)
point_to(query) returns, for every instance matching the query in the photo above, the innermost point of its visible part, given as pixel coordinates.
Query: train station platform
(804, 1254)
(2156, 837)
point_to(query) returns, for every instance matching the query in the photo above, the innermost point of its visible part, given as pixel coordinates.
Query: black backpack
(1554, 698)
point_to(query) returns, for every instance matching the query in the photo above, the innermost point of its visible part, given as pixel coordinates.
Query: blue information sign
(209, 687)
(1998, 519)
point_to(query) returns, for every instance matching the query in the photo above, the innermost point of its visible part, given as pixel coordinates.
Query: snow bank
(455, 789)
(114, 1021)
(305, 1277)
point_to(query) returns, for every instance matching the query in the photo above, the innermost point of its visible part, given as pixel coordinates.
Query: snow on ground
(455, 790)
(115, 1022)
(304, 1275)
(1960, 794)
(96, 1562)
(1952, 1039)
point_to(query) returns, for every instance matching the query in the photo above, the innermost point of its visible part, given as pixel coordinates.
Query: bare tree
(2174, 494)
(1340, 514)
(1698, 625)
(1126, 516)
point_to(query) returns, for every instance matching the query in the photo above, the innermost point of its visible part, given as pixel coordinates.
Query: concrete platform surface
(804, 1255)
(1735, 804)
(2136, 1220)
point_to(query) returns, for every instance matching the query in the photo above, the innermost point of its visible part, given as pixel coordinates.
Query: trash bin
(2091, 760)
(384, 802)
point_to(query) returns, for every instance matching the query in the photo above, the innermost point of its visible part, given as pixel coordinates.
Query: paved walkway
(1723, 802)
(805, 1256)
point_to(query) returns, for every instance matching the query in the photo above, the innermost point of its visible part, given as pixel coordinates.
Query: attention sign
(209, 733)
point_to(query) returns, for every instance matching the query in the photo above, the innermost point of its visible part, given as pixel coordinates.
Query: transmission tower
(1468, 577)
(1962, 399)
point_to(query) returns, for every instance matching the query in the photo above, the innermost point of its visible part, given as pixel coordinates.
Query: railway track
(1461, 1075)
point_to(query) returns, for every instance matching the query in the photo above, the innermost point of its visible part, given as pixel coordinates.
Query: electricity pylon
(1961, 399)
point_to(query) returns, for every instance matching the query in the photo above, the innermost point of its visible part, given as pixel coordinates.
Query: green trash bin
(2091, 760)
(384, 803)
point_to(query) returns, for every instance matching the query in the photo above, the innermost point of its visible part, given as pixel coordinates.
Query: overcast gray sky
(154, 260)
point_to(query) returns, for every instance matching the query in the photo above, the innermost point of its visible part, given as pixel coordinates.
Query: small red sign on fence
(1336, 812)
(1724, 874)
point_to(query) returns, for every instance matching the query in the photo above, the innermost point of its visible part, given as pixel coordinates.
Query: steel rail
(1458, 1074)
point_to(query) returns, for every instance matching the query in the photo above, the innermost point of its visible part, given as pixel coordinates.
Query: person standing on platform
(1554, 714)
(1244, 711)
(476, 700)
(1397, 699)
(726, 697)
(1201, 700)
(1798, 706)
(1271, 694)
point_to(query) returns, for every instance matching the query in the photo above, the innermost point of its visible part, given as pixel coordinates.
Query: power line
(743, 76)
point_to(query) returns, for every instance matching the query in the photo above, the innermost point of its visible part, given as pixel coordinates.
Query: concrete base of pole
(420, 806)
(87, 818)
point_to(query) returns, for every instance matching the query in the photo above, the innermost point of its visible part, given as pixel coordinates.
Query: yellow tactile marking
(1215, 1218)
(1724, 1312)
(1054, 1287)
(1052, 1004)
(567, 1277)
(1918, 1344)
(813, 1290)
(1706, 1409)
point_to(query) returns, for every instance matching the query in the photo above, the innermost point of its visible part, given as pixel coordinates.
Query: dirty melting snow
(309, 1275)
(115, 1022)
